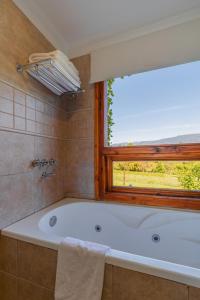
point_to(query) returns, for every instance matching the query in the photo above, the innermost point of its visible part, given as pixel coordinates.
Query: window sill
(153, 200)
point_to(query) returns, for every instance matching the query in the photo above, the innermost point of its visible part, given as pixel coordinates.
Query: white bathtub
(160, 242)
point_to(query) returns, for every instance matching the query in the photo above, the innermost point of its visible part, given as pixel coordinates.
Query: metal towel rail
(50, 75)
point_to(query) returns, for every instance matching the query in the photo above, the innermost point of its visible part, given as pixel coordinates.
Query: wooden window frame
(104, 157)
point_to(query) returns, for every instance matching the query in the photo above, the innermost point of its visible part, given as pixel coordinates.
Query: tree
(126, 167)
(123, 166)
(160, 167)
(189, 176)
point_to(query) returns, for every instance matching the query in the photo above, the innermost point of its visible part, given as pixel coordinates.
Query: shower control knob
(52, 162)
(36, 163)
(43, 162)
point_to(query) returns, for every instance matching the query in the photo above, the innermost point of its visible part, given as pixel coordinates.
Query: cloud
(162, 128)
(156, 111)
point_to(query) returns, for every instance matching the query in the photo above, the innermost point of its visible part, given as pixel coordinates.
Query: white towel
(59, 76)
(56, 55)
(66, 71)
(80, 270)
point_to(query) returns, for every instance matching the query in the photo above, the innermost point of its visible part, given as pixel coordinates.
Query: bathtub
(159, 242)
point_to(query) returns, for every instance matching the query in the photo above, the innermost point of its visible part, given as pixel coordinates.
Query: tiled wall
(30, 128)
(35, 127)
(22, 112)
(31, 122)
(18, 39)
(79, 144)
(27, 272)
(36, 124)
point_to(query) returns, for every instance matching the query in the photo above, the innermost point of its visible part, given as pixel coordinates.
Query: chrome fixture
(156, 238)
(48, 174)
(52, 221)
(52, 162)
(48, 164)
(47, 73)
(36, 163)
(98, 228)
(43, 162)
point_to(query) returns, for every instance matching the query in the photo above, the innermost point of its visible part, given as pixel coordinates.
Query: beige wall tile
(128, 285)
(6, 120)
(8, 287)
(194, 293)
(37, 264)
(20, 123)
(79, 125)
(40, 117)
(35, 279)
(19, 110)
(50, 189)
(30, 102)
(16, 198)
(30, 114)
(107, 286)
(79, 167)
(30, 291)
(8, 255)
(6, 91)
(39, 128)
(30, 126)
(46, 189)
(19, 97)
(6, 105)
(17, 152)
(45, 147)
(86, 99)
(40, 105)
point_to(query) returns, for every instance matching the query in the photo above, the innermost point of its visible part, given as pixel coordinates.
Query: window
(157, 107)
(172, 175)
(148, 137)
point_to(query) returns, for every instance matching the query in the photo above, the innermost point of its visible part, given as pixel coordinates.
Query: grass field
(145, 179)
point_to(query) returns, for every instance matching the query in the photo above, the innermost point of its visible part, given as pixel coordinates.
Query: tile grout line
(79, 110)
(13, 109)
(6, 129)
(112, 280)
(39, 98)
(17, 277)
(18, 173)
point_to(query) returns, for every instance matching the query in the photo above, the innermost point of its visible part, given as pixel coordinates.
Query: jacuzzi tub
(160, 242)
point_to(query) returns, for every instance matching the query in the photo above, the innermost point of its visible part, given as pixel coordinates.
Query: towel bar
(50, 75)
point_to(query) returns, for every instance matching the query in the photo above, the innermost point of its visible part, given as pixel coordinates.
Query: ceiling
(81, 26)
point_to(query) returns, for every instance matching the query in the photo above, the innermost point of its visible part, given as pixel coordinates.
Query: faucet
(45, 163)
(48, 174)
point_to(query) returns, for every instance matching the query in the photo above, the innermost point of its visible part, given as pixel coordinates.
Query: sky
(157, 104)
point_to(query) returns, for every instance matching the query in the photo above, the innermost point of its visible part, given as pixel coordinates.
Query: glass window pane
(156, 107)
(177, 175)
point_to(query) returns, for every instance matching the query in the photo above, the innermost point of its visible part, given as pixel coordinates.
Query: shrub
(189, 176)
(159, 168)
